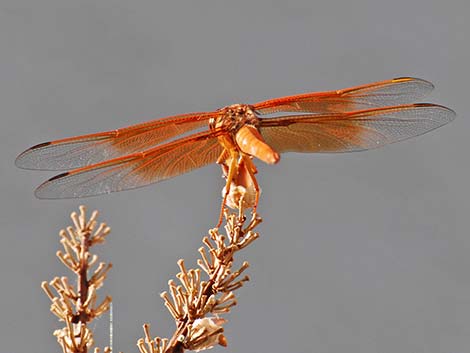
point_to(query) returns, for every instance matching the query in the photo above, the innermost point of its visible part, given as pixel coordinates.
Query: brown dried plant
(76, 304)
(195, 303)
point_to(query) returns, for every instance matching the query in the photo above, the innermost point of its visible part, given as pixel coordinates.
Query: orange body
(250, 141)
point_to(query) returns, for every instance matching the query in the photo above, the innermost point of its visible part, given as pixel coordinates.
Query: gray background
(366, 252)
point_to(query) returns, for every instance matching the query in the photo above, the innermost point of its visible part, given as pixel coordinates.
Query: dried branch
(196, 304)
(76, 305)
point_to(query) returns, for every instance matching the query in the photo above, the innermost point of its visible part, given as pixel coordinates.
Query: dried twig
(196, 304)
(76, 305)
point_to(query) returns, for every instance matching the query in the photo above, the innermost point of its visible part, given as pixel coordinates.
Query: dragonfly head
(233, 117)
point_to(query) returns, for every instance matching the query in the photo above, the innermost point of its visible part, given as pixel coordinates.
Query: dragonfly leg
(251, 169)
(232, 172)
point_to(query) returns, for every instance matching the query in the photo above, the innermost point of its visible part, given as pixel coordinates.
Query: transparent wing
(135, 170)
(353, 131)
(393, 92)
(80, 151)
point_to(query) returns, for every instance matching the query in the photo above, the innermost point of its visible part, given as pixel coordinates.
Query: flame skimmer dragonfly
(352, 119)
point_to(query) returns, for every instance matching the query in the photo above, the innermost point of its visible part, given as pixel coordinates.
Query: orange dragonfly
(352, 119)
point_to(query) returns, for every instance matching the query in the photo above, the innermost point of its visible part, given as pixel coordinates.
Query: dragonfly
(346, 120)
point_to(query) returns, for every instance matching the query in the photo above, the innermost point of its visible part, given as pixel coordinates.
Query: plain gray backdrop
(359, 253)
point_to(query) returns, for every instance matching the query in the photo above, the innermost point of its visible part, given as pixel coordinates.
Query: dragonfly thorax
(233, 117)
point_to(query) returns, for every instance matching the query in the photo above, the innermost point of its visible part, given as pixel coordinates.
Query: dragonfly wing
(393, 92)
(353, 131)
(80, 151)
(136, 170)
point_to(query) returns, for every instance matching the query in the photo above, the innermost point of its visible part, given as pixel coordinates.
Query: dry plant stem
(196, 304)
(77, 305)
